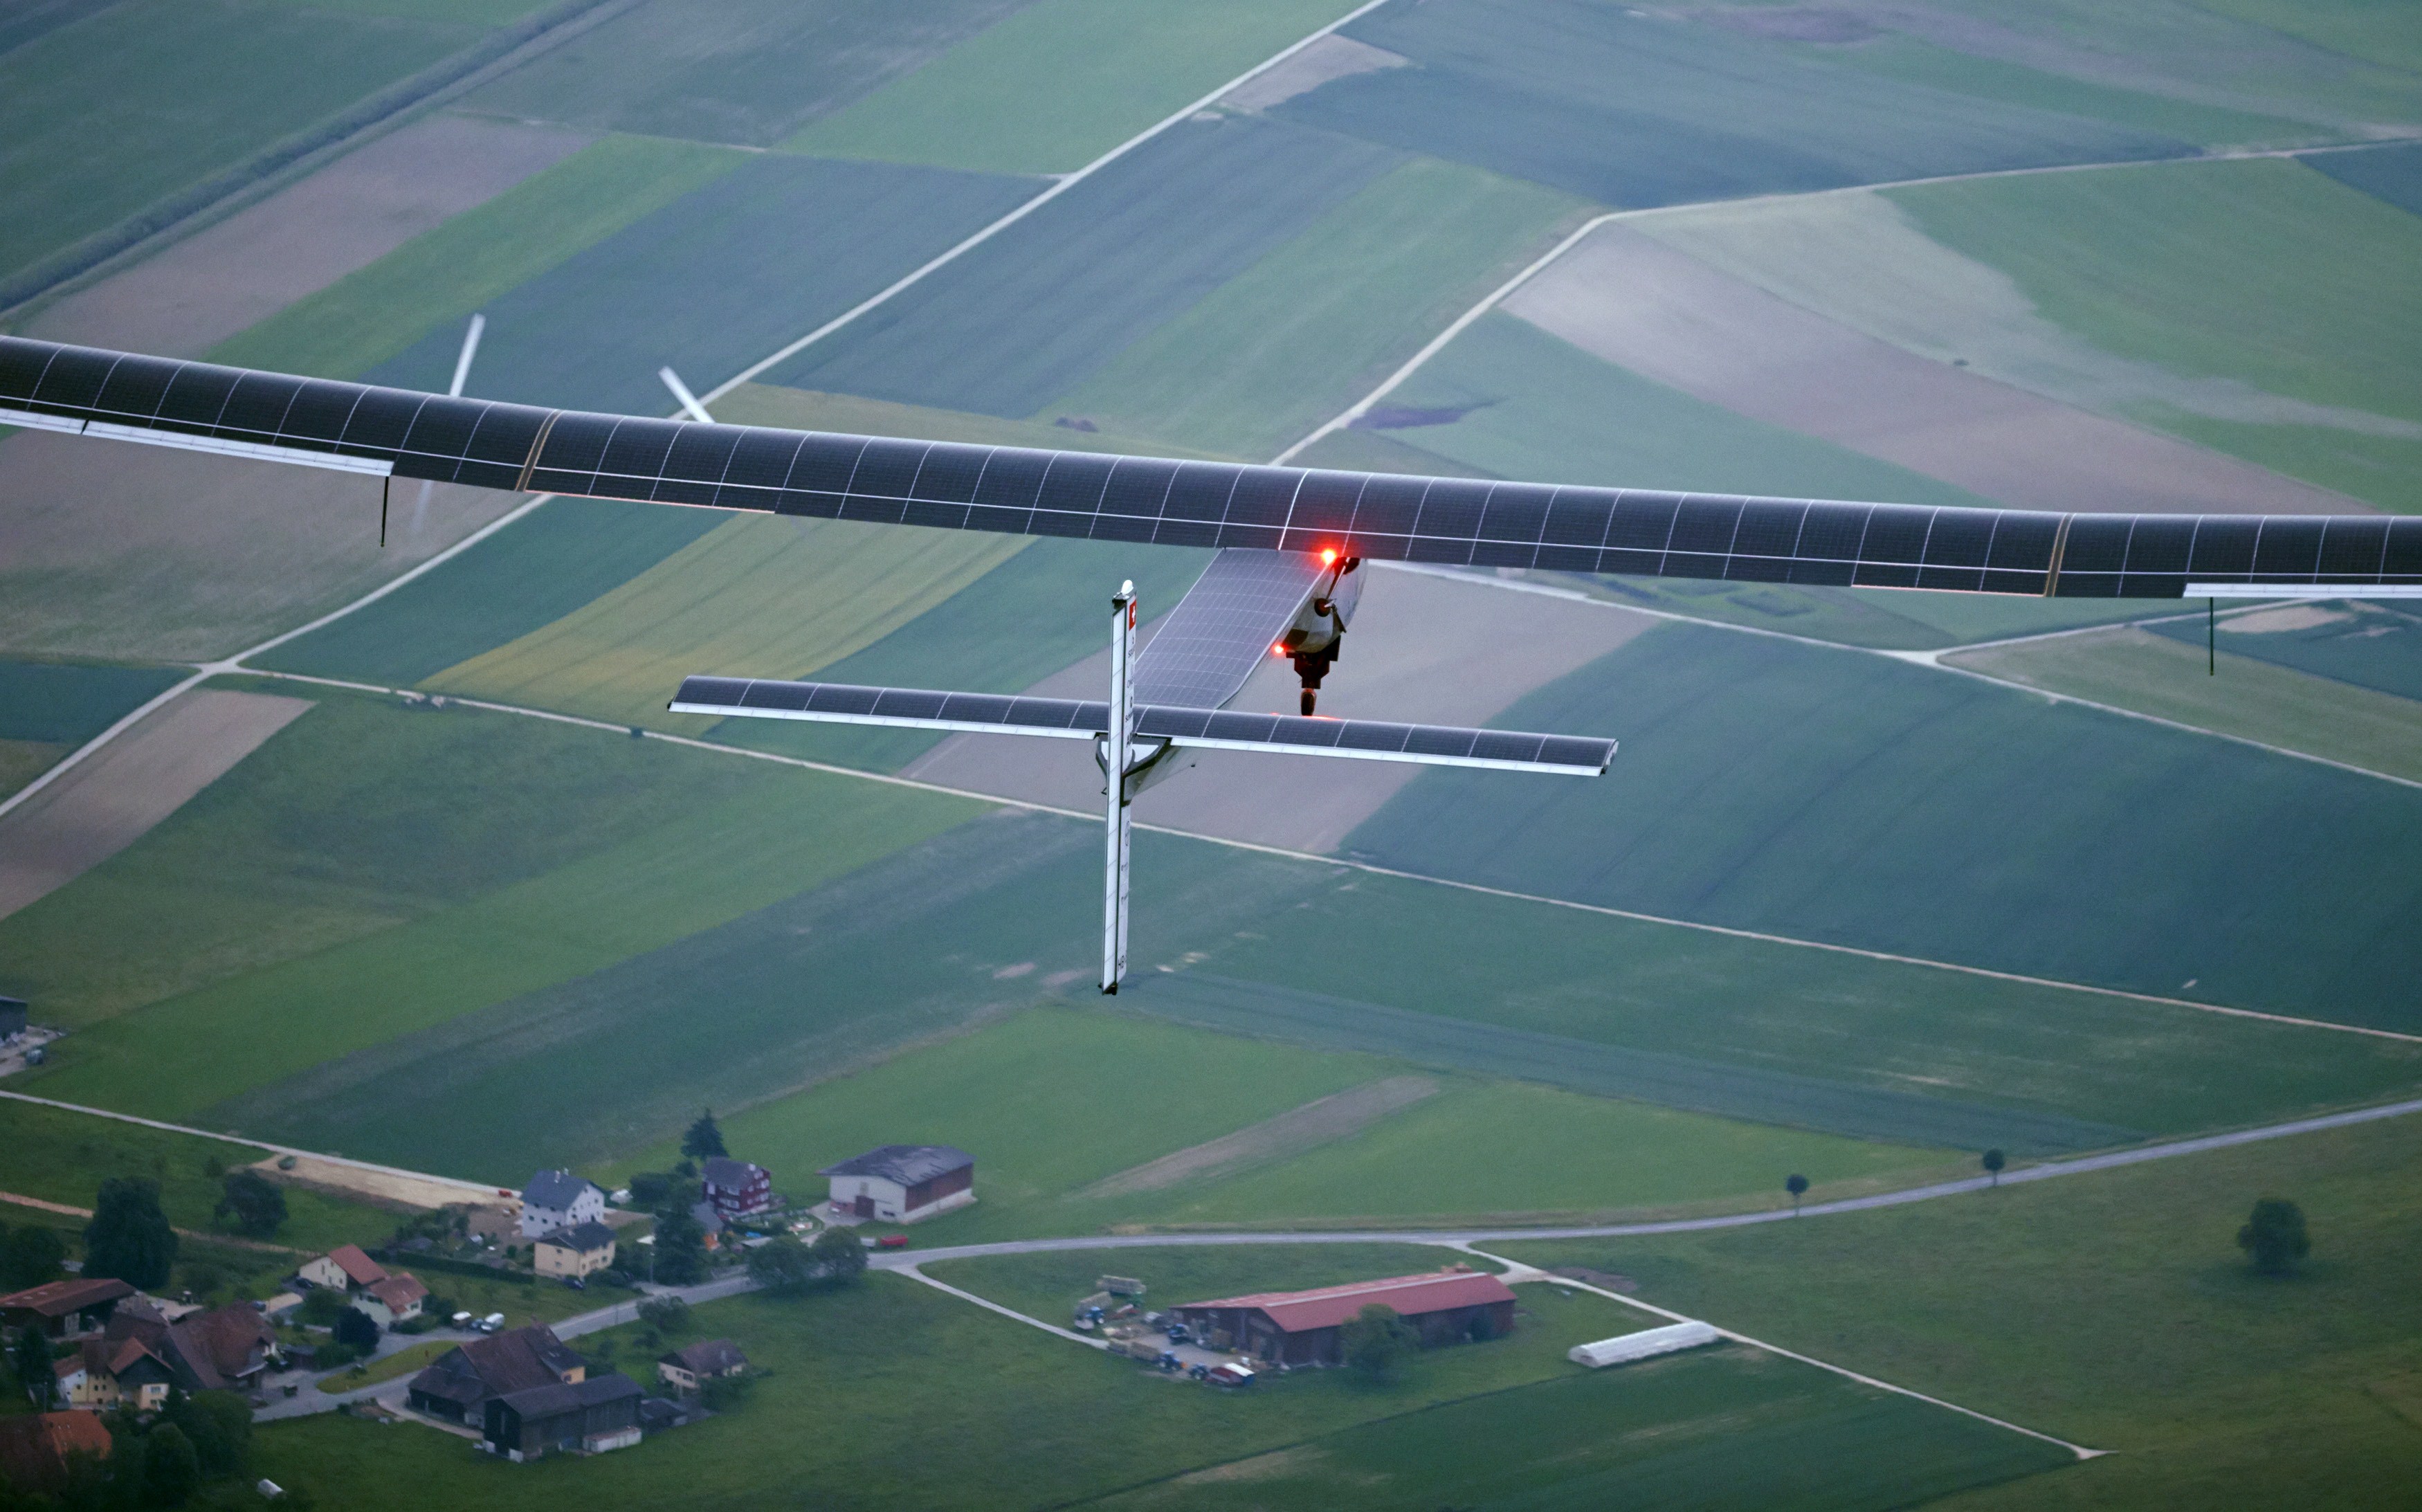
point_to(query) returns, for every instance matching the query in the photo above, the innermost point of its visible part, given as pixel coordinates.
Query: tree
(721, 1393)
(681, 1248)
(1375, 1341)
(703, 1139)
(129, 1237)
(781, 1264)
(172, 1470)
(31, 1257)
(357, 1330)
(2273, 1236)
(840, 1258)
(31, 1359)
(220, 1425)
(665, 1314)
(1995, 1161)
(1796, 1185)
(320, 1306)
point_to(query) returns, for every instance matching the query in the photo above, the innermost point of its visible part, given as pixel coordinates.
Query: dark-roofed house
(576, 1251)
(107, 1373)
(737, 1188)
(557, 1198)
(62, 1308)
(38, 1449)
(591, 1416)
(686, 1368)
(225, 1347)
(462, 1382)
(904, 1183)
(1301, 1328)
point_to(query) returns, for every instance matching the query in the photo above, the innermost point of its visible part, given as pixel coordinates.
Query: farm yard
(1879, 882)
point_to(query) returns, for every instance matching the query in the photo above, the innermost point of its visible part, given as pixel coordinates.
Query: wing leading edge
(1021, 490)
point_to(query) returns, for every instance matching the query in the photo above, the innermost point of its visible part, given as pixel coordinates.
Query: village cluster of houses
(529, 1394)
(116, 1348)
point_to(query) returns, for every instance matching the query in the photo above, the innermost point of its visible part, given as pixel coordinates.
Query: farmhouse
(591, 1416)
(1301, 1328)
(204, 1351)
(107, 1372)
(737, 1188)
(64, 1308)
(38, 1449)
(578, 1251)
(393, 1299)
(557, 1198)
(344, 1268)
(683, 1369)
(463, 1381)
(904, 1183)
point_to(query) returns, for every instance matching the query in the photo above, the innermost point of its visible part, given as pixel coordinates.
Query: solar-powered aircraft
(1291, 544)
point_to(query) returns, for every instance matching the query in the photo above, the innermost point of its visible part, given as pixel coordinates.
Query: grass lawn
(1311, 326)
(1834, 796)
(441, 277)
(2157, 674)
(2115, 1310)
(60, 1157)
(541, 568)
(1536, 407)
(1061, 82)
(193, 86)
(409, 1360)
(759, 596)
(2375, 645)
(711, 282)
(2260, 271)
(1035, 311)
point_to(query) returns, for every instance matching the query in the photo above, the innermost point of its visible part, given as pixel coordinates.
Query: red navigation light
(1329, 555)
(1278, 648)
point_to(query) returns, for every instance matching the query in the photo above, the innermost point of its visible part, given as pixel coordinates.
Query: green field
(799, 409)
(1886, 618)
(1061, 82)
(1311, 326)
(1632, 109)
(712, 282)
(1538, 408)
(443, 275)
(60, 1157)
(2053, 841)
(747, 71)
(759, 596)
(541, 568)
(2115, 1310)
(2279, 706)
(2262, 272)
(2374, 646)
(2392, 174)
(47, 709)
(193, 86)
(1032, 313)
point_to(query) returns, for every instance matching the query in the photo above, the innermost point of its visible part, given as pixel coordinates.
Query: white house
(902, 1183)
(344, 1268)
(559, 1199)
(392, 1300)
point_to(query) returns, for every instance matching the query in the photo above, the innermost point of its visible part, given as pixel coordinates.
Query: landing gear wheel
(1308, 698)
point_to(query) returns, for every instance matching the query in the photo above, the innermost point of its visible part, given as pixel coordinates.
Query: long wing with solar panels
(1290, 543)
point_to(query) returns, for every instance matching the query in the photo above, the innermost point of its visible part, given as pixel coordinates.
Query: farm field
(711, 282)
(1509, 399)
(801, 410)
(534, 572)
(1880, 619)
(1035, 311)
(196, 87)
(60, 1157)
(2225, 1386)
(758, 596)
(67, 703)
(1307, 330)
(2303, 297)
(1899, 784)
(2155, 674)
(1060, 82)
(2374, 646)
(634, 881)
(2392, 174)
(439, 278)
(1632, 110)
(743, 71)
(1046, 1419)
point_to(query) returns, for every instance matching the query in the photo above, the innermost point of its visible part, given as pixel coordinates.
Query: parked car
(576, 1284)
(492, 1323)
(1198, 1370)
(1228, 1375)
(1179, 1333)
(892, 1241)
(461, 1320)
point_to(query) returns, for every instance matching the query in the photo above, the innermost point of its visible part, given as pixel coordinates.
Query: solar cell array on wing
(1385, 516)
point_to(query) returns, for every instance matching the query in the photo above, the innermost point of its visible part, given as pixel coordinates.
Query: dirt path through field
(1422, 648)
(1321, 1121)
(109, 802)
(208, 287)
(397, 1187)
(1636, 302)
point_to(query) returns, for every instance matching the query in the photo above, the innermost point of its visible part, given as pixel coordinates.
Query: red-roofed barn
(1301, 1328)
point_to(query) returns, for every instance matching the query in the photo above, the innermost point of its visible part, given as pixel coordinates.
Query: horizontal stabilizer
(1085, 719)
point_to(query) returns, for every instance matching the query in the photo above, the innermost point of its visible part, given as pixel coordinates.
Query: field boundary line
(1060, 184)
(1933, 659)
(1371, 868)
(1520, 1273)
(74, 758)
